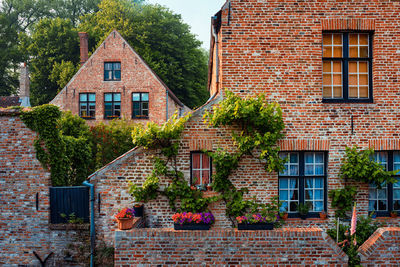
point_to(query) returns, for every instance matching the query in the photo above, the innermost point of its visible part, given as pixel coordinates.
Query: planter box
(125, 223)
(191, 226)
(256, 226)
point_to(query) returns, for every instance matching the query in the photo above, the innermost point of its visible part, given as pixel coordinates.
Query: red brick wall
(23, 228)
(382, 248)
(227, 247)
(136, 76)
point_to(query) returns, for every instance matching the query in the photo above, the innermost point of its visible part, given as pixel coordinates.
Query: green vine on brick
(358, 165)
(260, 126)
(343, 200)
(165, 138)
(62, 145)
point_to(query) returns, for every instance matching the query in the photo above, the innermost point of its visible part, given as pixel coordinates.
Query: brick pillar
(83, 38)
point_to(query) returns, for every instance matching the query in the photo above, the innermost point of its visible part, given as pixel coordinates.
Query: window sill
(112, 118)
(112, 80)
(140, 118)
(88, 118)
(339, 101)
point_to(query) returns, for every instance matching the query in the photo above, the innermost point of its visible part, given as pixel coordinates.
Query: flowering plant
(126, 213)
(255, 218)
(193, 218)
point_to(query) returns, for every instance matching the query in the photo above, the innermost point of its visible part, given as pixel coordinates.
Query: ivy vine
(62, 145)
(260, 126)
(165, 138)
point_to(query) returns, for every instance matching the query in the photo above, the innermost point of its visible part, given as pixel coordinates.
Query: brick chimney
(24, 86)
(83, 38)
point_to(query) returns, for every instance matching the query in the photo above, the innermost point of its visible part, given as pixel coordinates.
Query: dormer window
(112, 71)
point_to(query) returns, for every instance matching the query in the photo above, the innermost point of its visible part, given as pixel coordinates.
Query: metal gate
(68, 201)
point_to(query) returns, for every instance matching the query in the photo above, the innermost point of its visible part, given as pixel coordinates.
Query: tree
(161, 38)
(52, 42)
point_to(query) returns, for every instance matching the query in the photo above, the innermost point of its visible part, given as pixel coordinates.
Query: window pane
(327, 39)
(363, 92)
(83, 97)
(353, 39)
(319, 195)
(117, 66)
(145, 112)
(108, 66)
(117, 97)
(309, 170)
(353, 92)
(205, 177)
(337, 51)
(353, 51)
(284, 183)
(326, 66)
(363, 39)
(145, 97)
(353, 79)
(117, 112)
(363, 79)
(353, 67)
(327, 92)
(363, 51)
(196, 161)
(92, 97)
(337, 92)
(205, 162)
(327, 79)
(145, 105)
(362, 66)
(117, 75)
(108, 109)
(327, 52)
(294, 158)
(318, 206)
(196, 177)
(337, 79)
(309, 157)
(135, 97)
(337, 66)
(337, 39)
(309, 194)
(107, 97)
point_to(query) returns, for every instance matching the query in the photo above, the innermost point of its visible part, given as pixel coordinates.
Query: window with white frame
(303, 181)
(200, 169)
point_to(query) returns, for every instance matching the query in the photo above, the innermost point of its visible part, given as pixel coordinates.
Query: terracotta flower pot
(285, 216)
(322, 215)
(393, 215)
(125, 223)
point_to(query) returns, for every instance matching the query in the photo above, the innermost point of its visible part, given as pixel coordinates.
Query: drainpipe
(166, 109)
(214, 32)
(92, 229)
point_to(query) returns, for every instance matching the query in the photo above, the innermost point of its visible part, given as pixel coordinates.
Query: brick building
(115, 82)
(334, 68)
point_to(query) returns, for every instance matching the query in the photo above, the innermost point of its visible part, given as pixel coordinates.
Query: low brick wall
(382, 248)
(301, 246)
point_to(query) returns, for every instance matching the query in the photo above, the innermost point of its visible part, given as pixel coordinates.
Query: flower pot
(303, 216)
(322, 215)
(256, 226)
(285, 216)
(125, 223)
(191, 226)
(138, 210)
(209, 187)
(393, 215)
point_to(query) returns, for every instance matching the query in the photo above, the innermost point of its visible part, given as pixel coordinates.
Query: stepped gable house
(115, 82)
(333, 66)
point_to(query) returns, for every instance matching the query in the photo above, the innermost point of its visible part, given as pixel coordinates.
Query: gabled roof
(170, 93)
(9, 101)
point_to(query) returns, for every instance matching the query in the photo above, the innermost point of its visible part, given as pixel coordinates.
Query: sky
(196, 13)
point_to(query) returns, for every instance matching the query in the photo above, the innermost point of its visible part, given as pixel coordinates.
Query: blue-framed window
(303, 181)
(112, 105)
(387, 198)
(140, 105)
(347, 67)
(87, 105)
(112, 71)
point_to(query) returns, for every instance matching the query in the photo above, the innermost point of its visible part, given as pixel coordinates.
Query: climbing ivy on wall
(165, 139)
(62, 145)
(259, 126)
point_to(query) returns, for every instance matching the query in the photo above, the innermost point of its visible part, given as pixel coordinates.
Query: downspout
(92, 229)
(214, 32)
(166, 109)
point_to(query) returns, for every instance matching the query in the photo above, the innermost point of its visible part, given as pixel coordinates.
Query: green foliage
(162, 137)
(71, 218)
(342, 200)
(303, 209)
(161, 39)
(52, 41)
(63, 72)
(261, 126)
(364, 229)
(359, 165)
(62, 145)
(165, 139)
(109, 141)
